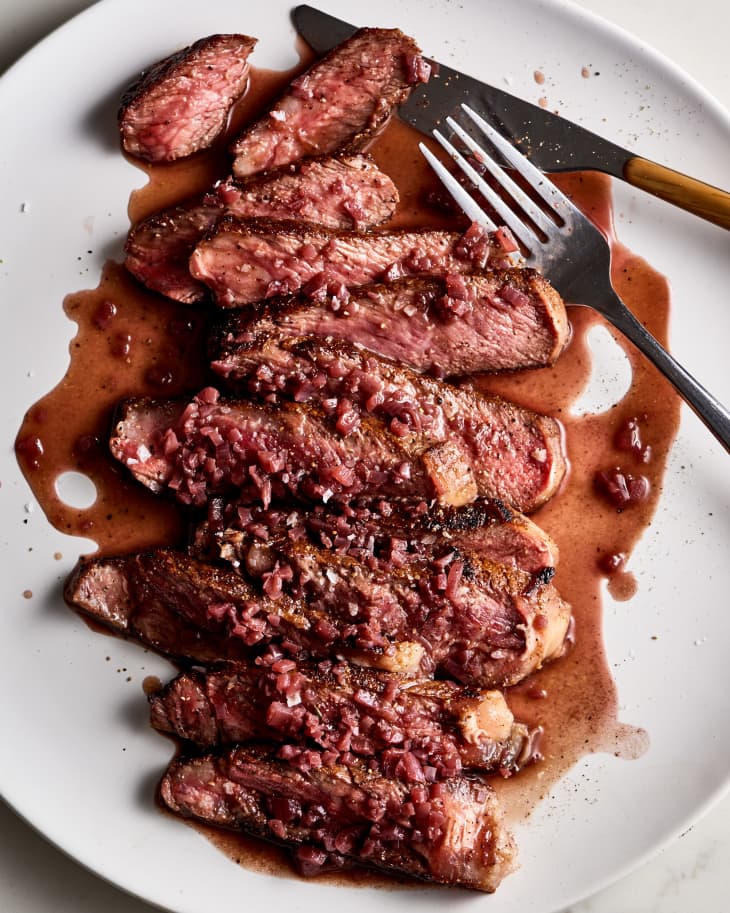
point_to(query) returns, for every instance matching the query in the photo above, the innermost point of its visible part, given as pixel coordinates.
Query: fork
(574, 256)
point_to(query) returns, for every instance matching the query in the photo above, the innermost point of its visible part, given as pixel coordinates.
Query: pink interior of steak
(337, 192)
(421, 323)
(341, 101)
(246, 262)
(182, 103)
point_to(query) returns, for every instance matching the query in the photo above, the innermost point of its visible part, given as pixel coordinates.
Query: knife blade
(551, 142)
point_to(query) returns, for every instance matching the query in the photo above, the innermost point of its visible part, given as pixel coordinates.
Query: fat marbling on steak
(497, 320)
(343, 191)
(339, 103)
(450, 832)
(181, 104)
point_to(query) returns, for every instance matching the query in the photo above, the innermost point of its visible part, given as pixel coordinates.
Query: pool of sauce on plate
(131, 342)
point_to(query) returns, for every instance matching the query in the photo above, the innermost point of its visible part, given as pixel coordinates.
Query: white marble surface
(689, 875)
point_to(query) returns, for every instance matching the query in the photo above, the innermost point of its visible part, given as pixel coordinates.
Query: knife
(550, 142)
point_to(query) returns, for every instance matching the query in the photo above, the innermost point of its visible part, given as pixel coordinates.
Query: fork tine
(498, 173)
(465, 201)
(518, 228)
(547, 191)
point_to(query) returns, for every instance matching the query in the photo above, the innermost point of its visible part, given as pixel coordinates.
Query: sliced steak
(351, 383)
(245, 262)
(347, 191)
(499, 320)
(181, 104)
(384, 534)
(211, 445)
(345, 715)
(482, 622)
(449, 832)
(340, 102)
(479, 624)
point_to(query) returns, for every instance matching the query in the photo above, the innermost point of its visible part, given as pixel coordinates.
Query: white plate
(76, 757)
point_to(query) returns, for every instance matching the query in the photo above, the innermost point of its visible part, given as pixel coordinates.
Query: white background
(691, 874)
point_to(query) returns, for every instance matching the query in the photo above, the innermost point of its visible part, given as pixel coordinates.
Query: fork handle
(702, 199)
(708, 409)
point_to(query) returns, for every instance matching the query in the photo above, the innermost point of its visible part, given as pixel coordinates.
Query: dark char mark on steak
(181, 104)
(340, 102)
(350, 383)
(210, 445)
(334, 713)
(384, 534)
(449, 832)
(344, 191)
(246, 262)
(499, 320)
(481, 626)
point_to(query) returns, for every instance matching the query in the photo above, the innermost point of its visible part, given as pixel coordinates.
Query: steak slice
(245, 262)
(384, 534)
(112, 591)
(210, 445)
(480, 628)
(449, 832)
(351, 383)
(181, 104)
(483, 623)
(499, 320)
(347, 191)
(342, 101)
(342, 714)
(192, 611)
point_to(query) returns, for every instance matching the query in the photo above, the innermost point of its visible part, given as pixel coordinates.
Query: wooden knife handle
(703, 200)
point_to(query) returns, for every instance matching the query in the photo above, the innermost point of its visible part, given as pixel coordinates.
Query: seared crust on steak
(502, 320)
(335, 713)
(449, 833)
(245, 262)
(181, 104)
(211, 445)
(344, 191)
(340, 102)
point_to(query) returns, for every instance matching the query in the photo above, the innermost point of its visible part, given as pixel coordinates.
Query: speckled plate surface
(76, 756)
